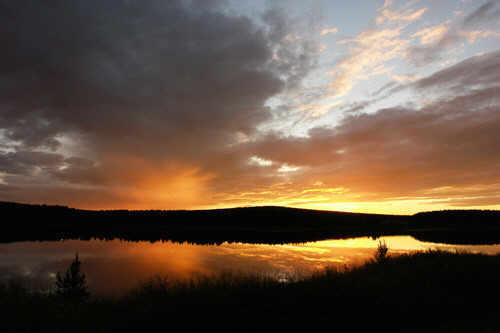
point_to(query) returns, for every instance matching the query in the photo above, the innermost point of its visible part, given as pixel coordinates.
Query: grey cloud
(26, 162)
(154, 83)
(357, 106)
(423, 55)
(385, 87)
(79, 162)
(484, 13)
(153, 88)
(64, 195)
(125, 65)
(292, 60)
(468, 74)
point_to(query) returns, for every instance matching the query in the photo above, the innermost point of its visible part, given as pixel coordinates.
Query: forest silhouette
(272, 225)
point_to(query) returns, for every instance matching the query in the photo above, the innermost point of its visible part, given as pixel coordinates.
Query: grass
(430, 291)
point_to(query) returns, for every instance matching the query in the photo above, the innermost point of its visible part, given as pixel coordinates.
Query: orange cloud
(398, 16)
(474, 35)
(431, 35)
(369, 51)
(327, 31)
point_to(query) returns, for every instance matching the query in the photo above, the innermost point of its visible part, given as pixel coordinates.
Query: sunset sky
(364, 106)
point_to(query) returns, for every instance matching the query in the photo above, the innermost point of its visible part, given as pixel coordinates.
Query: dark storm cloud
(27, 162)
(119, 67)
(423, 55)
(137, 85)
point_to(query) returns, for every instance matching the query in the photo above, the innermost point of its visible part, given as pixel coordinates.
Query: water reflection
(116, 266)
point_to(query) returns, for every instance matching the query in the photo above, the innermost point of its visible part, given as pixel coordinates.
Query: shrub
(381, 253)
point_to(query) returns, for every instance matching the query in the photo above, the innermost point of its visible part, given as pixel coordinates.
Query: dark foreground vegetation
(252, 225)
(430, 291)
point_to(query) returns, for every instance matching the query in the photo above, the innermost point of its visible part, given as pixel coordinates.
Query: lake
(114, 267)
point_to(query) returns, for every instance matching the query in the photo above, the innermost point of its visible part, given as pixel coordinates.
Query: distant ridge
(450, 213)
(7, 204)
(267, 224)
(270, 215)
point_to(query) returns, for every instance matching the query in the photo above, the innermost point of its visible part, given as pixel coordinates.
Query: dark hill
(457, 218)
(248, 217)
(249, 224)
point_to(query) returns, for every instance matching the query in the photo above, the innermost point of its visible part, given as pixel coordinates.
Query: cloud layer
(135, 89)
(446, 149)
(163, 104)
(438, 39)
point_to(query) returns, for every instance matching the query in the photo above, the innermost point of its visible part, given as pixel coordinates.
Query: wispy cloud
(473, 35)
(398, 16)
(485, 13)
(371, 49)
(431, 35)
(436, 40)
(327, 31)
(405, 78)
(317, 110)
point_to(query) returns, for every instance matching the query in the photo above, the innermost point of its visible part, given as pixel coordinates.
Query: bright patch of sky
(365, 50)
(255, 160)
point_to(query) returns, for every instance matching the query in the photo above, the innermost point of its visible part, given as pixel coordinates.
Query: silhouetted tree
(73, 286)
(381, 253)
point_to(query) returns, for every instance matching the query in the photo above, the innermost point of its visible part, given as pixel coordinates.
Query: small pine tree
(73, 286)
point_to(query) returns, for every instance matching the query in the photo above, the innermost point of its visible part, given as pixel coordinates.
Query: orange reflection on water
(402, 244)
(116, 266)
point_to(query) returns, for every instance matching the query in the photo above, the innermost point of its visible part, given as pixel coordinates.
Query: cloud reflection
(116, 266)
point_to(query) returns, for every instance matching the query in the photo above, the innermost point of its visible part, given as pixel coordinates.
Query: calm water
(116, 266)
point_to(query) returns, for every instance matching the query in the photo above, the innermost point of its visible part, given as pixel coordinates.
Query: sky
(363, 106)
